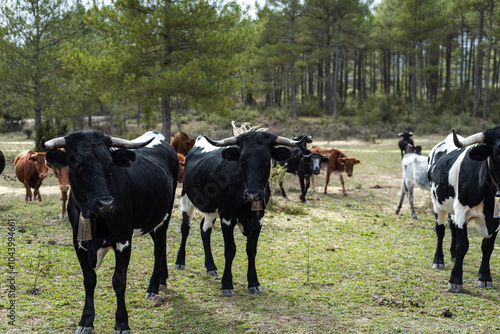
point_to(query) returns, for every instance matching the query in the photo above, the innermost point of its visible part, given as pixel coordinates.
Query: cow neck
(493, 177)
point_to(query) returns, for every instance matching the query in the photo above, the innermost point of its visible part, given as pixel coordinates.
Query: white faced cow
(465, 183)
(119, 189)
(229, 179)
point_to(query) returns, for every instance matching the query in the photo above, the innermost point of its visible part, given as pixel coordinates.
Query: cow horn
(222, 142)
(53, 143)
(123, 143)
(289, 142)
(472, 139)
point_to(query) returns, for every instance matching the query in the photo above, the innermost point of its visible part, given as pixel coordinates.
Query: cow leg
(303, 189)
(86, 324)
(453, 246)
(37, 194)
(253, 282)
(403, 191)
(227, 288)
(119, 285)
(160, 270)
(187, 212)
(28, 193)
(206, 233)
(327, 179)
(343, 186)
(487, 246)
(439, 255)
(280, 182)
(64, 198)
(455, 283)
(410, 199)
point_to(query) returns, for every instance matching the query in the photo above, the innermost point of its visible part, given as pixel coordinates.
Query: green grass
(337, 264)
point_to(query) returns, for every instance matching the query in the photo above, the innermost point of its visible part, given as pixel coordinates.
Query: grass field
(337, 264)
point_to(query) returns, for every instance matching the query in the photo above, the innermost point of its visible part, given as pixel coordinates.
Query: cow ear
(356, 161)
(480, 152)
(307, 159)
(342, 160)
(56, 159)
(123, 157)
(324, 159)
(280, 153)
(231, 154)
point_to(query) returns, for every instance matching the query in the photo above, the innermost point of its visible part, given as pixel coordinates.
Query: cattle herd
(121, 189)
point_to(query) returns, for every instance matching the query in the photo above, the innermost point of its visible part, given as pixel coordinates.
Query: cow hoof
(227, 292)
(213, 273)
(255, 289)
(397, 211)
(150, 295)
(84, 330)
(345, 194)
(454, 287)
(119, 331)
(453, 259)
(438, 266)
(487, 284)
(180, 266)
(414, 217)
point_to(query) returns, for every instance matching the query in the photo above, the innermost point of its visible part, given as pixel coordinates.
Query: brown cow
(180, 173)
(30, 169)
(182, 143)
(338, 163)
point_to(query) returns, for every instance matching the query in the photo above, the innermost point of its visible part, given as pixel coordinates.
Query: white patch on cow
(261, 221)
(186, 205)
(226, 222)
(137, 232)
(242, 228)
(101, 253)
(148, 135)
(203, 143)
(208, 221)
(120, 247)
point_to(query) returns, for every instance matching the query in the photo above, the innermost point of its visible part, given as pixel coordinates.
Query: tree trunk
(488, 59)
(166, 117)
(478, 70)
(337, 50)
(421, 77)
(462, 106)
(292, 69)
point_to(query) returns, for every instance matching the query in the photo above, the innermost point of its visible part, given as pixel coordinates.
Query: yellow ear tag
(84, 229)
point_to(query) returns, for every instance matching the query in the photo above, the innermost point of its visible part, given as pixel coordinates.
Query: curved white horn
(123, 143)
(223, 142)
(289, 142)
(53, 143)
(472, 139)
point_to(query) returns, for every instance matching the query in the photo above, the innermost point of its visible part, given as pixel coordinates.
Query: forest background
(361, 70)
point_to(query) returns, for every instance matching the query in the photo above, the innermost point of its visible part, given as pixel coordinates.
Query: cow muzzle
(104, 205)
(42, 175)
(252, 196)
(64, 188)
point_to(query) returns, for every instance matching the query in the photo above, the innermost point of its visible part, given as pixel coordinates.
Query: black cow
(116, 194)
(465, 183)
(405, 140)
(303, 163)
(232, 183)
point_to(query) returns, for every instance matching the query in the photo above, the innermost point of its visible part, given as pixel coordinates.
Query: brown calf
(338, 163)
(180, 173)
(30, 169)
(182, 143)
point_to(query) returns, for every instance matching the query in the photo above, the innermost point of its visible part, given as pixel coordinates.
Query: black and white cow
(303, 163)
(119, 189)
(465, 183)
(229, 179)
